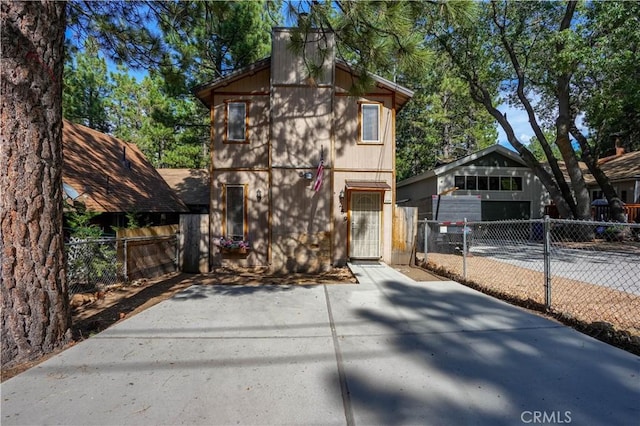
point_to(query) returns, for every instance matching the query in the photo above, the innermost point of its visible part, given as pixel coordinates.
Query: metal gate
(365, 225)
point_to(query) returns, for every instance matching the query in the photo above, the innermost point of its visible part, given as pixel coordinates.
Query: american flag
(319, 176)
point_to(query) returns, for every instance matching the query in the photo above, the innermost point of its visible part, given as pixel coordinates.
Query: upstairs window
(236, 121)
(370, 123)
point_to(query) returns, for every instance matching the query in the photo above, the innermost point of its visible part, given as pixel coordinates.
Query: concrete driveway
(386, 351)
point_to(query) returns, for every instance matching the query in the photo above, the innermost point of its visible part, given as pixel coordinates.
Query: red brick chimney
(619, 148)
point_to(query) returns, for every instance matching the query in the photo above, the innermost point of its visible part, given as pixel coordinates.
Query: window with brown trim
(235, 212)
(370, 122)
(237, 118)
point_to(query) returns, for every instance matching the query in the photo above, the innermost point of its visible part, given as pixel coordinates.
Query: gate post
(547, 261)
(426, 238)
(464, 249)
(126, 262)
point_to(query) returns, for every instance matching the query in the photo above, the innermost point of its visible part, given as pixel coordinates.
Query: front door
(365, 225)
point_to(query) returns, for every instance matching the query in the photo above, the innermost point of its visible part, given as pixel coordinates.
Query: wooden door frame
(349, 194)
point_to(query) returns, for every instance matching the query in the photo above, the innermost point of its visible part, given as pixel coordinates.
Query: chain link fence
(586, 273)
(97, 264)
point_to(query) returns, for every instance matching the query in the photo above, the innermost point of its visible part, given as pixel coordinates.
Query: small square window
(505, 183)
(483, 183)
(459, 182)
(471, 183)
(370, 123)
(494, 183)
(516, 183)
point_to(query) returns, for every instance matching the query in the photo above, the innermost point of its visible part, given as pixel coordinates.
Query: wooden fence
(405, 228)
(147, 252)
(194, 243)
(602, 213)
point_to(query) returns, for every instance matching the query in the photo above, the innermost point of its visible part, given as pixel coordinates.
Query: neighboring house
(623, 170)
(191, 185)
(300, 168)
(508, 188)
(112, 177)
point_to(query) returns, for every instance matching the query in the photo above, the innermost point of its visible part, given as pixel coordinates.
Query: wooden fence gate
(405, 228)
(194, 243)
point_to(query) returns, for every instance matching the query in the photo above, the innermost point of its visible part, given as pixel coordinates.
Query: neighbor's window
(516, 183)
(494, 183)
(483, 183)
(236, 121)
(370, 122)
(235, 212)
(488, 183)
(471, 183)
(511, 183)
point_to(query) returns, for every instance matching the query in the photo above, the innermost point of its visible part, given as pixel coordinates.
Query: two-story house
(301, 169)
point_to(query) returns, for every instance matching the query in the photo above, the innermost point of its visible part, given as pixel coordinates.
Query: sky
(520, 123)
(517, 117)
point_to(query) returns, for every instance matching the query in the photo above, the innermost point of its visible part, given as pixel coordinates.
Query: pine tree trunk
(35, 308)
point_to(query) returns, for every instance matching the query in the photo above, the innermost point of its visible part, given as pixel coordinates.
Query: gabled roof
(191, 185)
(107, 174)
(462, 161)
(202, 91)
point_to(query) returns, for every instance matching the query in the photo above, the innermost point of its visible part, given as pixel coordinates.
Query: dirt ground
(92, 313)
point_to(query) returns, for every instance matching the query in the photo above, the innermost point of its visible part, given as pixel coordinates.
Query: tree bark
(563, 126)
(35, 307)
(617, 209)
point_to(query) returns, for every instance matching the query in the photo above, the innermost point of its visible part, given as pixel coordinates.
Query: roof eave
(202, 90)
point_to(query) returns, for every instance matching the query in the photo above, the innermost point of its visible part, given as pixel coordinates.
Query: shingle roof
(191, 185)
(621, 167)
(110, 175)
(617, 168)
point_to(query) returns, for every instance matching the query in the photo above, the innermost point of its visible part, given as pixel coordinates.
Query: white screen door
(365, 225)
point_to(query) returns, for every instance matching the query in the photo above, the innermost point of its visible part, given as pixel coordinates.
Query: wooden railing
(602, 213)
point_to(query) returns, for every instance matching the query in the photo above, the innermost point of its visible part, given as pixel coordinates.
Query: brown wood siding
(256, 214)
(352, 154)
(300, 222)
(254, 152)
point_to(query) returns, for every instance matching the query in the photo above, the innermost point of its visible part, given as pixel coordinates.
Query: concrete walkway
(387, 351)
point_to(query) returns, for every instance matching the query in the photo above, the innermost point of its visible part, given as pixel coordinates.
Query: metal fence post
(177, 236)
(126, 278)
(426, 239)
(546, 235)
(464, 249)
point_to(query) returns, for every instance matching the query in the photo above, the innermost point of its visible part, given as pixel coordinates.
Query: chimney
(619, 147)
(315, 55)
